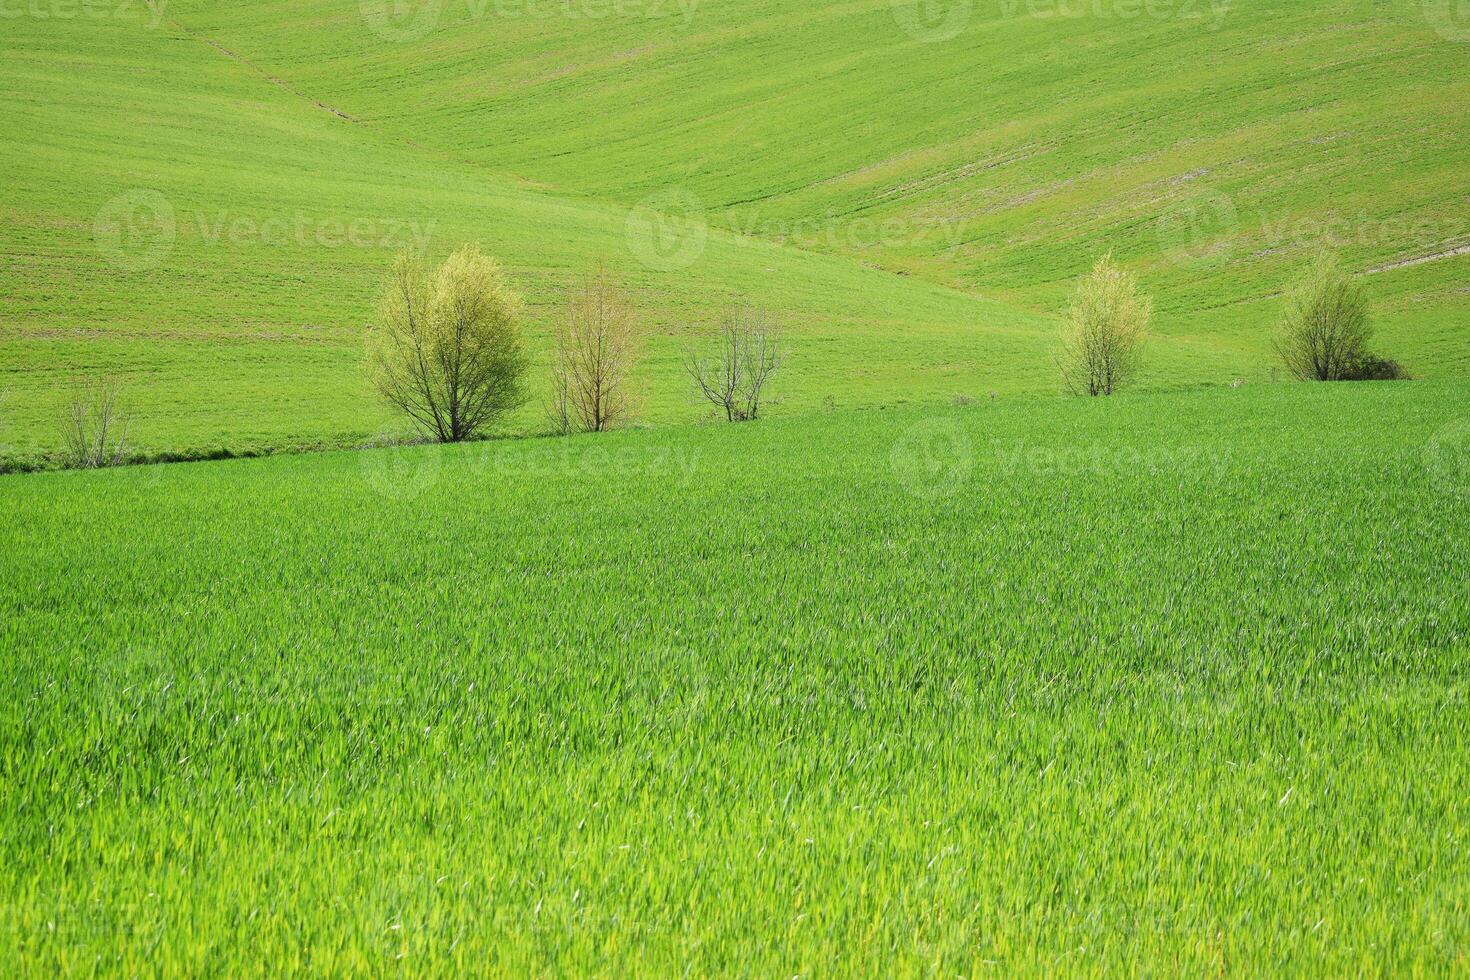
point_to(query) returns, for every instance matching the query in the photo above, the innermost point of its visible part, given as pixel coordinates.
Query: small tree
(596, 347)
(1106, 325)
(1324, 332)
(734, 369)
(94, 428)
(447, 351)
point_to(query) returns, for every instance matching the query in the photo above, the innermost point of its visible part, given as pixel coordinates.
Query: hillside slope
(202, 198)
(994, 145)
(173, 218)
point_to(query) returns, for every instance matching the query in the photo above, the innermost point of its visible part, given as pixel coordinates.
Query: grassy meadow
(1159, 683)
(998, 146)
(928, 671)
(913, 204)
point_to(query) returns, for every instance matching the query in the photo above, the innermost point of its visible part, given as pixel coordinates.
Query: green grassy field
(882, 684)
(181, 210)
(1159, 683)
(994, 144)
(238, 322)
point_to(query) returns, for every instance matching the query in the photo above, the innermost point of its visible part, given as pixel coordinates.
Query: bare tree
(597, 345)
(1106, 325)
(94, 428)
(1324, 332)
(732, 372)
(447, 351)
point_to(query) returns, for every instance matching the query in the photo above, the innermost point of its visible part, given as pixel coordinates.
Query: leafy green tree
(1106, 325)
(447, 350)
(1324, 332)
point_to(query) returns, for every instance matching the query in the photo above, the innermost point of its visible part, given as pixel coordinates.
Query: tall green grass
(1160, 683)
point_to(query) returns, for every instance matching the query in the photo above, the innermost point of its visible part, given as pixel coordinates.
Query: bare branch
(734, 369)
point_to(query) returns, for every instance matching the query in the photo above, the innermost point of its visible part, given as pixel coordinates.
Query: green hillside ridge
(202, 199)
(239, 323)
(993, 145)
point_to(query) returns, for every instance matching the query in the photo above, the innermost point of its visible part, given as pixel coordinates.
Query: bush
(1106, 325)
(1325, 331)
(596, 347)
(735, 368)
(94, 428)
(447, 352)
(1371, 367)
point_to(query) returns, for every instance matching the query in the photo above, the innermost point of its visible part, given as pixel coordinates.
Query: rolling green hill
(220, 247)
(993, 145)
(201, 198)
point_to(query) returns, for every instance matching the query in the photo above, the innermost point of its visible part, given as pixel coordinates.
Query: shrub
(1325, 331)
(447, 351)
(596, 347)
(94, 428)
(1371, 367)
(1106, 325)
(732, 372)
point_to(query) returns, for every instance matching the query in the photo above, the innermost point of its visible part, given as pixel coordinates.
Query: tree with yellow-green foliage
(447, 348)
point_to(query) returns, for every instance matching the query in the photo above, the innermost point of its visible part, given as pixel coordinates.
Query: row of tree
(448, 353)
(1324, 334)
